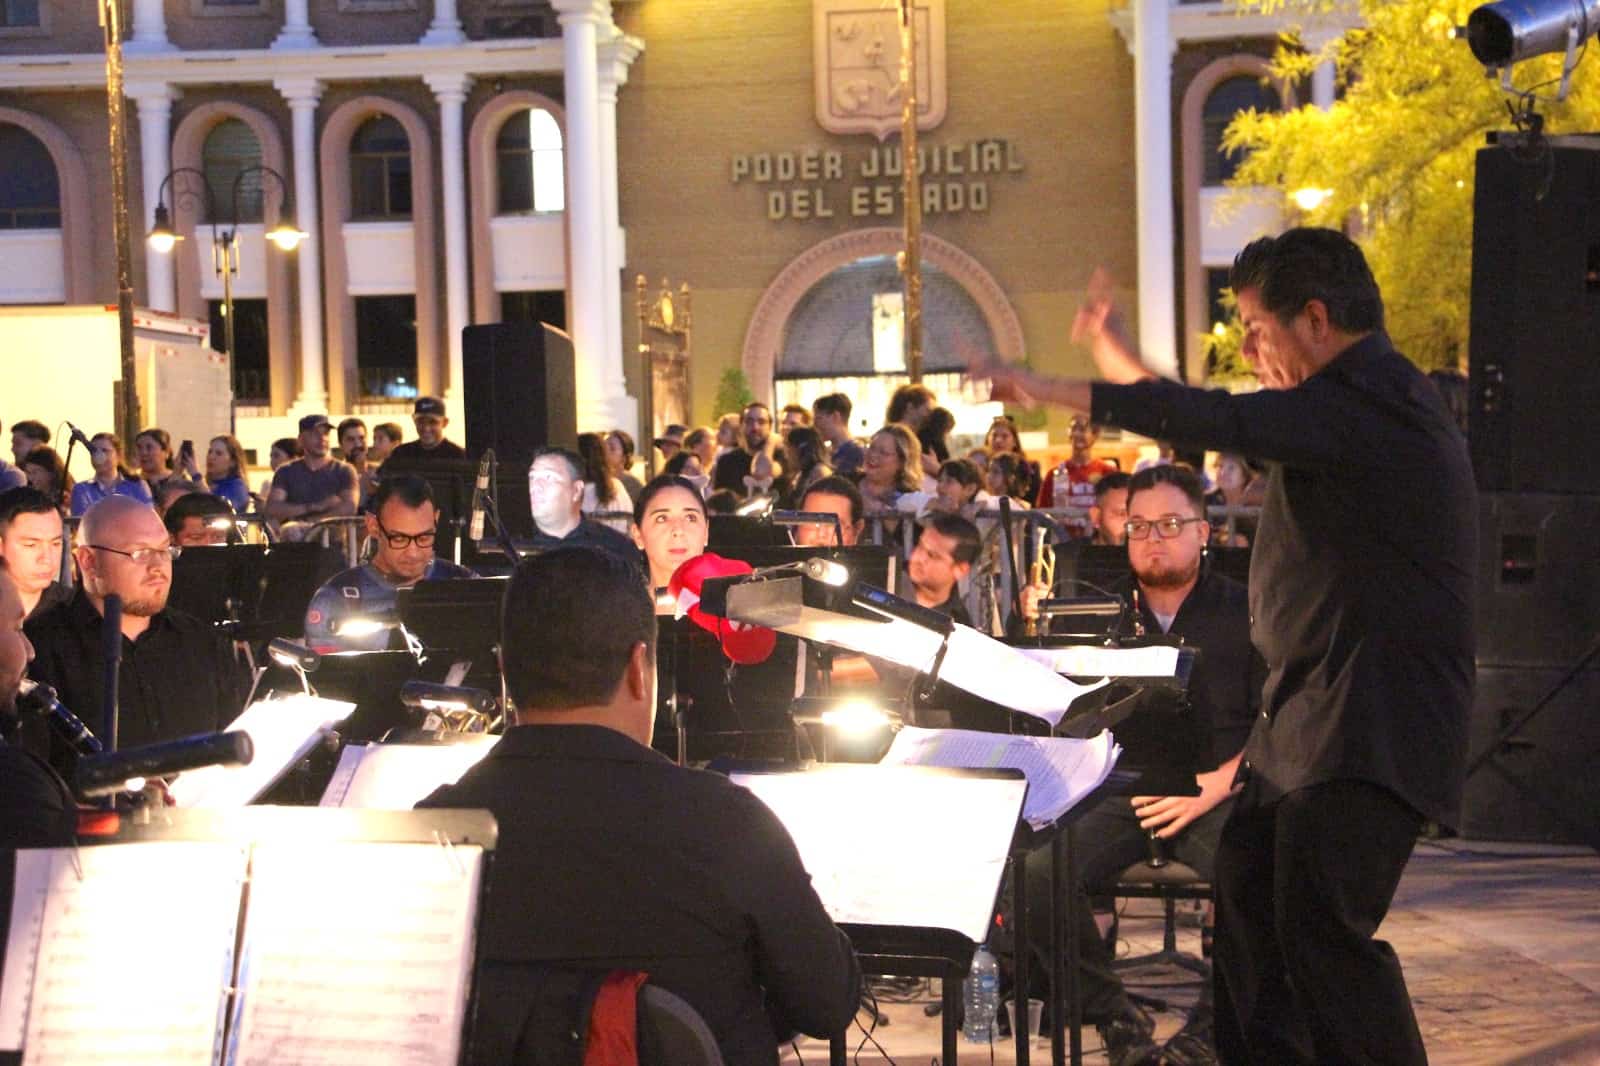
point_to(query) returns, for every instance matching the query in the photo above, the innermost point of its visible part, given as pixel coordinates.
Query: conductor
(1361, 603)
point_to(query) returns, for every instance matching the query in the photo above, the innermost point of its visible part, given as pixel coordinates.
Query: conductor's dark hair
(838, 486)
(1179, 476)
(1304, 264)
(960, 530)
(570, 619)
(409, 489)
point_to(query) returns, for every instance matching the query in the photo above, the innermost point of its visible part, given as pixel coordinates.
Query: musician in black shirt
(1362, 605)
(36, 810)
(178, 676)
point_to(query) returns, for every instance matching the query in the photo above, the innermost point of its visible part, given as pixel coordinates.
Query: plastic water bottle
(981, 994)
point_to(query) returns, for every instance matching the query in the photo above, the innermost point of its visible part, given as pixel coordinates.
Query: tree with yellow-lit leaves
(1395, 154)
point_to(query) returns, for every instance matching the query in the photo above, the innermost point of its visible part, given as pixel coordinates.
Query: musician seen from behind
(1175, 597)
(178, 675)
(403, 523)
(36, 810)
(610, 856)
(555, 497)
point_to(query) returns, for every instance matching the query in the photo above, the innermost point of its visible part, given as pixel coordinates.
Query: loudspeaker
(1535, 320)
(1538, 578)
(1540, 784)
(521, 390)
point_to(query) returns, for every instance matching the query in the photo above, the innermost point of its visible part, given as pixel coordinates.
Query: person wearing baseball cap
(312, 487)
(671, 441)
(429, 418)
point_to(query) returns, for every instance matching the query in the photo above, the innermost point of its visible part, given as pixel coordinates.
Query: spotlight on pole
(1505, 33)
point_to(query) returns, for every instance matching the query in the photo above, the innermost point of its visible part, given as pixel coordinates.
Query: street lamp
(190, 185)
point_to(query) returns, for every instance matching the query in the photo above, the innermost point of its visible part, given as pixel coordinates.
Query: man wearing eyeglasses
(1175, 598)
(178, 676)
(403, 524)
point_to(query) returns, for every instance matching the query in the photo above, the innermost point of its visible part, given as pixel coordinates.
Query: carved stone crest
(856, 49)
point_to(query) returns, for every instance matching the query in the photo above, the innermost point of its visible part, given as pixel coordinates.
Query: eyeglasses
(1166, 528)
(401, 541)
(145, 556)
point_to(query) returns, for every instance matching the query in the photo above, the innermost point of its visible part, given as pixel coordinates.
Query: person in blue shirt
(403, 522)
(225, 472)
(111, 478)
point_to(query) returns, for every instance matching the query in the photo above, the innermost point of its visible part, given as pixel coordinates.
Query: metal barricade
(350, 529)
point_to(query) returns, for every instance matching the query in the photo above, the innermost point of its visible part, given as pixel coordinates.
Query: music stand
(218, 583)
(458, 620)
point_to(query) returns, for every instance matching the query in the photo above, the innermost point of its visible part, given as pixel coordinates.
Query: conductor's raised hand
(1100, 325)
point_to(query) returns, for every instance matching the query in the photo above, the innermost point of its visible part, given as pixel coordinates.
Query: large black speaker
(1535, 348)
(521, 390)
(1538, 620)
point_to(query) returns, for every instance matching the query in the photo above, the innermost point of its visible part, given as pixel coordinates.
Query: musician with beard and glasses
(1175, 597)
(178, 677)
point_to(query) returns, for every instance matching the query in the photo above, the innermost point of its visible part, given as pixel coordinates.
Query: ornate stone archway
(764, 339)
(72, 178)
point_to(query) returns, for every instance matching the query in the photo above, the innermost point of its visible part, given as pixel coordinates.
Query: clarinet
(41, 698)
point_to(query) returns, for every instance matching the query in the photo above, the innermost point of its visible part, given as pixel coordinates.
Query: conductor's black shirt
(178, 679)
(1361, 577)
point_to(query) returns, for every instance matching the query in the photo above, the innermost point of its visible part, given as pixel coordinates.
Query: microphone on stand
(479, 490)
(78, 435)
(112, 642)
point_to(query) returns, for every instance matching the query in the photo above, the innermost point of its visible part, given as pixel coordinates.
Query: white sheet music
(356, 953)
(135, 957)
(29, 892)
(941, 866)
(283, 732)
(1087, 660)
(397, 776)
(1061, 770)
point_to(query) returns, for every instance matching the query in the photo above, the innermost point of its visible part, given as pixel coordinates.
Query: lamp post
(188, 185)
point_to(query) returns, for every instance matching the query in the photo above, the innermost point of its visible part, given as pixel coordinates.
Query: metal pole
(911, 257)
(128, 418)
(227, 251)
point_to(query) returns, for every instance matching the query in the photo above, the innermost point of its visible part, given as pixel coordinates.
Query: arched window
(380, 170)
(528, 158)
(230, 149)
(30, 192)
(1228, 99)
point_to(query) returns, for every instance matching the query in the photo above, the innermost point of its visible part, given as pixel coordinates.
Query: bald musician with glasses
(178, 677)
(403, 523)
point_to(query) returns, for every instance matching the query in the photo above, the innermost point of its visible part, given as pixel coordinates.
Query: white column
(602, 398)
(445, 27)
(451, 92)
(297, 31)
(1322, 76)
(149, 28)
(616, 56)
(155, 156)
(302, 95)
(1152, 63)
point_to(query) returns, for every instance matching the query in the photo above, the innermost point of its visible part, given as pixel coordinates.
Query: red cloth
(614, 1021)
(742, 644)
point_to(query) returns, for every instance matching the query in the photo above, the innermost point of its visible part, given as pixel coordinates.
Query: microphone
(78, 435)
(111, 632)
(39, 698)
(109, 772)
(475, 528)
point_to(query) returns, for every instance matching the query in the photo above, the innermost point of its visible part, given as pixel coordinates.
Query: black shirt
(178, 679)
(954, 609)
(36, 809)
(1361, 578)
(1224, 689)
(590, 534)
(730, 471)
(412, 452)
(54, 593)
(611, 855)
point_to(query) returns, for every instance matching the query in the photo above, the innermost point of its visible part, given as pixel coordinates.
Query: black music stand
(458, 620)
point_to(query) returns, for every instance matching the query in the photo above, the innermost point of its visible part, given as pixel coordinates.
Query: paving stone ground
(1500, 945)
